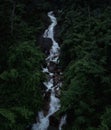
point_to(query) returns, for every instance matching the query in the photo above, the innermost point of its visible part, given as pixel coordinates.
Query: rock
(47, 96)
(52, 67)
(56, 79)
(28, 127)
(54, 121)
(46, 103)
(57, 34)
(46, 108)
(52, 128)
(45, 44)
(57, 93)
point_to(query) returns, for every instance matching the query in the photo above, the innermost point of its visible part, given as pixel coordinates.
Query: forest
(84, 34)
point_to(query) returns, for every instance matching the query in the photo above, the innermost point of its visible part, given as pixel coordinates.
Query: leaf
(7, 114)
(23, 111)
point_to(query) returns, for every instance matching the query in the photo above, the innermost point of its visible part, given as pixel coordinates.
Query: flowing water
(53, 83)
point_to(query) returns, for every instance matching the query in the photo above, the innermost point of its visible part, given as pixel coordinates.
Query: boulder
(52, 67)
(54, 121)
(45, 44)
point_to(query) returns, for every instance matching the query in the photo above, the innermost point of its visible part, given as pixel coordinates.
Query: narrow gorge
(53, 83)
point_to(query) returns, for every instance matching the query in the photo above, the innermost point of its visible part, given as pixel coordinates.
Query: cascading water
(54, 104)
(62, 122)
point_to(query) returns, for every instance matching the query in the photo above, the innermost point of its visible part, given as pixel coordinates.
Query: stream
(53, 83)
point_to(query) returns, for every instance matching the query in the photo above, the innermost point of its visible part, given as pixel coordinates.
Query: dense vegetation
(86, 61)
(85, 37)
(20, 62)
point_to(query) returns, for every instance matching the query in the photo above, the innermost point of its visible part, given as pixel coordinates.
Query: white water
(62, 122)
(54, 101)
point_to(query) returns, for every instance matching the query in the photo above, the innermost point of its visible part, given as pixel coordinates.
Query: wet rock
(52, 67)
(46, 108)
(47, 96)
(54, 121)
(45, 44)
(56, 79)
(57, 33)
(57, 93)
(28, 127)
(46, 103)
(52, 128)
(37, 119)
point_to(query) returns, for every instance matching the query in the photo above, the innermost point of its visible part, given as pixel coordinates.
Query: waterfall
(62, 122)
(50, 84)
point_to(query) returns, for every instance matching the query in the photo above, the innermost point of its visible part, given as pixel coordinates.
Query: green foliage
(20, 62)
(7, 115)
(85, 58)
(86, 63)
(106, 119)
(20, 84)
